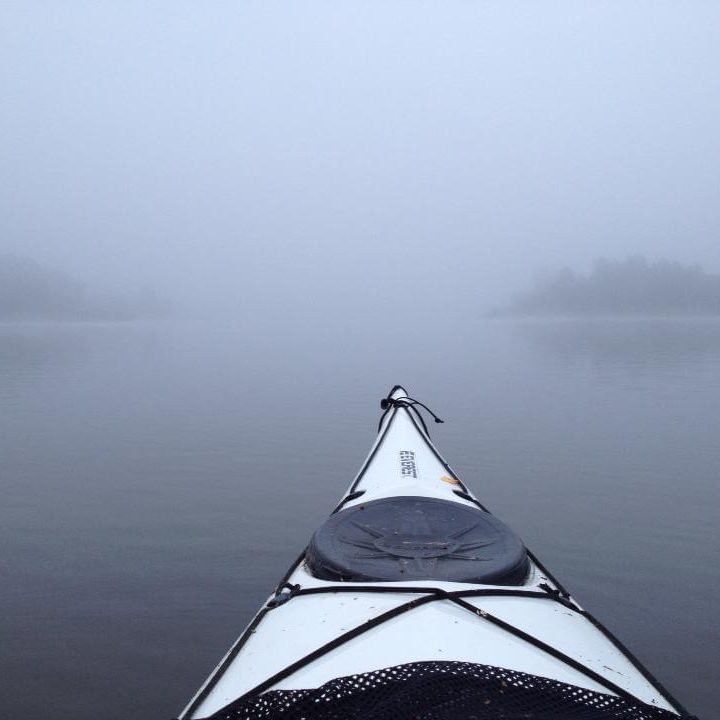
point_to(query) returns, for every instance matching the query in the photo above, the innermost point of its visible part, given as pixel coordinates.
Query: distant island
(30, 291)
(634, 286)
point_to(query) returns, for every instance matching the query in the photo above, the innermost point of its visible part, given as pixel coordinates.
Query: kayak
(413, 601)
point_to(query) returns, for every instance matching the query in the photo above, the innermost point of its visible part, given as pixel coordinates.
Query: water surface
(158, 478)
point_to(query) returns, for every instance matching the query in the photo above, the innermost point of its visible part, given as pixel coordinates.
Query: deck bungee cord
(408, 517)
(287, 592)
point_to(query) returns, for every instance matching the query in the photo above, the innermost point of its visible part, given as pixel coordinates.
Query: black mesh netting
(440, 691)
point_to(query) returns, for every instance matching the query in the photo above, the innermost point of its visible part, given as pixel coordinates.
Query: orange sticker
(450, 480)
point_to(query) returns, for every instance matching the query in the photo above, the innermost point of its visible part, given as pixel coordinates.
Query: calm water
(158, 479)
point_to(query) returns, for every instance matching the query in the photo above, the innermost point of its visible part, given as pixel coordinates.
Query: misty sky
(260, 154)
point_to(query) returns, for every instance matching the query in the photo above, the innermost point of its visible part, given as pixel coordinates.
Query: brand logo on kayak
(407, 464)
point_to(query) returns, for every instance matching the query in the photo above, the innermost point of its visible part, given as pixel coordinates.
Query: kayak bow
(413, 601)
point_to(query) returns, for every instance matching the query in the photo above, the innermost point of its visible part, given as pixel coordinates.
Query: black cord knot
(389, 402)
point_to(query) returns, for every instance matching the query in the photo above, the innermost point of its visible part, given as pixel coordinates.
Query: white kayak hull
(290, 642)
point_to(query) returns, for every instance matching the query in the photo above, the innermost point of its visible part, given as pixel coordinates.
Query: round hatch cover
(417, 538)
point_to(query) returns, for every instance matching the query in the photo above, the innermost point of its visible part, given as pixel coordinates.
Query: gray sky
(313, 153)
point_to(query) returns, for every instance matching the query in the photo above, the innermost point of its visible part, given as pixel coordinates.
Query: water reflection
(655, 343)
(34, 353)
(29, 352)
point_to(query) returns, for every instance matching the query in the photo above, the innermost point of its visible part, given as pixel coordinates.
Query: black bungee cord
(388, 403)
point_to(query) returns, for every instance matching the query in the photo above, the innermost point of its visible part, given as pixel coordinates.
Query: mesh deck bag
(440, 691)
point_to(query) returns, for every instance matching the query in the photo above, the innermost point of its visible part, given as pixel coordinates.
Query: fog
(340, 160)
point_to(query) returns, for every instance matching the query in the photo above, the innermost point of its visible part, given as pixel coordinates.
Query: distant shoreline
(31, 292)
(608, 317)
(628, 288)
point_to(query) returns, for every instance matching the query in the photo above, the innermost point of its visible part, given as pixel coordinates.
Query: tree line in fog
(635, 286)
(30, 291)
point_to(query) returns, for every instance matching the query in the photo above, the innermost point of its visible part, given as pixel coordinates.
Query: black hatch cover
(417, 538)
